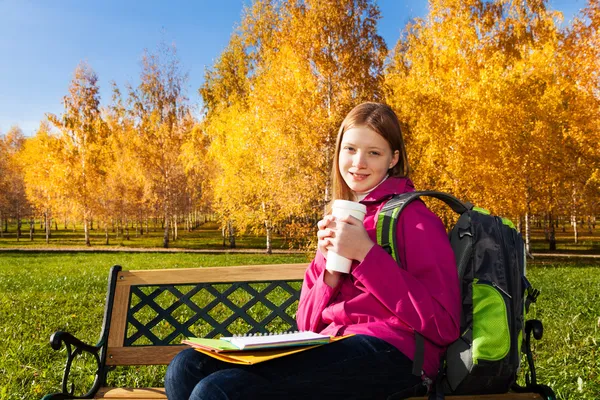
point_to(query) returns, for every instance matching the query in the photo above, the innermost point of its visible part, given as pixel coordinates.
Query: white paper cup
(344, 208)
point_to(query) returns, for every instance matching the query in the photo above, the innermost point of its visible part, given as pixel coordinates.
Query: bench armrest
(75, 348)
(536, 328)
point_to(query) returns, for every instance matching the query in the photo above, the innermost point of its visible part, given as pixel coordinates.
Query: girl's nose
(359, 160)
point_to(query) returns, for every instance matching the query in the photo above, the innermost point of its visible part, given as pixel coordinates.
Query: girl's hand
(349, 239)
(325, 233)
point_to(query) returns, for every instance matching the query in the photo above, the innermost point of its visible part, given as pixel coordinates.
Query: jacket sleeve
(424, 294)
(314, 297)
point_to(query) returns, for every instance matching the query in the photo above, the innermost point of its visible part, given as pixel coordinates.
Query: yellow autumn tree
(479, 89)
(83, 137)
(579, 60)
(162, 122)
(13, 201)
(307, 63)
(122, 174)
(44, 174)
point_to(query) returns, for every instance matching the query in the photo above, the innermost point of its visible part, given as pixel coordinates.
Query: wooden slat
(130, 393)
(159, 393)
(249, 273)
(142, 355)
(505, 396)
(118, 321)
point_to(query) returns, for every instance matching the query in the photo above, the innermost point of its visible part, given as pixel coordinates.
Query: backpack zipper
(494, 284)
(514, 356)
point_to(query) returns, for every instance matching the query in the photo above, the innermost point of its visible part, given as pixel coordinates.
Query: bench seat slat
(159, 393)
(131, 393)
(505, 396)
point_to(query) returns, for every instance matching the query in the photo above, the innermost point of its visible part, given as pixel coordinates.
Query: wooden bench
(148, 312)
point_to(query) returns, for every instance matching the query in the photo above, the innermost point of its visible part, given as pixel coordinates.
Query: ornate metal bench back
(164, 314)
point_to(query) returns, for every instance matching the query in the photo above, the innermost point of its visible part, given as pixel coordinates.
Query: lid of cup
(350, 205)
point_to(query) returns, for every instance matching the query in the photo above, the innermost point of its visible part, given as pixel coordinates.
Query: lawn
(44, 292)
(41, 293)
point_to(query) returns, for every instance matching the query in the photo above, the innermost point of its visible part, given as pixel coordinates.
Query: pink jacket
(378, 298)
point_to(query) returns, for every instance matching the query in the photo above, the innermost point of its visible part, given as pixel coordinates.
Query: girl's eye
(375, 153)
(349, 148)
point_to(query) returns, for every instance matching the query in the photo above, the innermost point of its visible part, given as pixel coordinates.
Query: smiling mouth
(359, 177)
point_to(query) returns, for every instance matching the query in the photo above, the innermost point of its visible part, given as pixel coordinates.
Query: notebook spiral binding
(266, 334)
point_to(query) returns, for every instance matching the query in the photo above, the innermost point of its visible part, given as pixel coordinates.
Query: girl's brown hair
(381, 119)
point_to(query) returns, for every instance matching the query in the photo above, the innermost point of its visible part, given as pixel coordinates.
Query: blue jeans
(359, 367)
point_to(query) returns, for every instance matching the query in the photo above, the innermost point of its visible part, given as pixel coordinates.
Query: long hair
(379, 118)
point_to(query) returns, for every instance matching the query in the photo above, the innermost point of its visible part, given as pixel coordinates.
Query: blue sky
(41, 43)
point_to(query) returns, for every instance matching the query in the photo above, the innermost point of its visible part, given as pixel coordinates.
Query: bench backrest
(149, 312)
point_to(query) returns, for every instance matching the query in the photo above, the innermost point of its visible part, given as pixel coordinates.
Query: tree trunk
(224, 234)
(19, 222)
(268, 228)
(527, 233)
(575, 231)
(175, 229)
(31, 228)
(47, 223)
(551, 233)
(106, 233)
(166, 231)
(126, 229)
(86, 231)
(1, 230)
(231, 236)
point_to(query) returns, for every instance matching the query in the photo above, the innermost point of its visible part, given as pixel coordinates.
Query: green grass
(41, 293)
(568, 356)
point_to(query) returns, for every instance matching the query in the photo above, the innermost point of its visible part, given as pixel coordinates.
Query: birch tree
(83, 136)
(162, 122)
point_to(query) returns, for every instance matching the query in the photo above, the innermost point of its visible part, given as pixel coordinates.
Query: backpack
(490, 259)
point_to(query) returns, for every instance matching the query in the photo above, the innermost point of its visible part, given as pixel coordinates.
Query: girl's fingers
(322, 224)
(324, 233)
(351, 220)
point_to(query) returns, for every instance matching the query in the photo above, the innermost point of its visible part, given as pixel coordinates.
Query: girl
(386, 307)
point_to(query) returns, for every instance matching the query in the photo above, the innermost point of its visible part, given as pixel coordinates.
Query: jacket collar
(388, 188)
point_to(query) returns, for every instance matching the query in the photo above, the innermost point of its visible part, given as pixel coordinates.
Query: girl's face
(365, 158)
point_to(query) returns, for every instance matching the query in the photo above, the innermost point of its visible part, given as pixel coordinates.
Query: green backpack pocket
(491, 331)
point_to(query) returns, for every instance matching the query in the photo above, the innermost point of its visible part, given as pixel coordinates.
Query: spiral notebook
(259, 342)
(254, 342)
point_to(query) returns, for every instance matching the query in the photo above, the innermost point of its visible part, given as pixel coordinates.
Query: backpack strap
(387, 220)
(389, 215)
